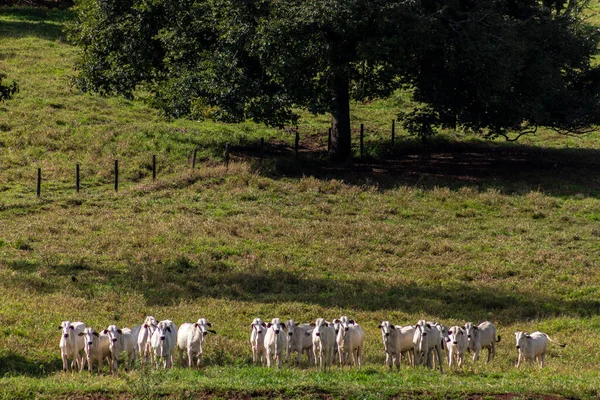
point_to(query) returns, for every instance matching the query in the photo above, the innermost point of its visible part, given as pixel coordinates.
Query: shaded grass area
(453, 230)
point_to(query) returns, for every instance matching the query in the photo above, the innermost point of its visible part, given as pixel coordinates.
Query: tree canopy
(491, 66)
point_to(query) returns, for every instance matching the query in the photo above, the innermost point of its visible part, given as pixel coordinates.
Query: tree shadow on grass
(12, 364)
(508, 168)
(168, 284)
(37, 22)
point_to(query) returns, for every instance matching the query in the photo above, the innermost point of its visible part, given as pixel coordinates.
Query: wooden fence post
(116, 175)
(39, 182)
(262, 150)
(77, 177)
(362, 134)
(329, 141)
(154, 167)
(393, 132)
(296, 144)
(226, 156)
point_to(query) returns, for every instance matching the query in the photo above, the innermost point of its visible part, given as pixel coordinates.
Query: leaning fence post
(116, 175)
(296, 144)
(393, 132)
(77, 177)
(362, 134)
(39, 182)
(262, 150)
(329, 141)
(226, 156)
(154, 167)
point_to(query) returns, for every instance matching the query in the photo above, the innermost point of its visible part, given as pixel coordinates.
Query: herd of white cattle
(323, 342)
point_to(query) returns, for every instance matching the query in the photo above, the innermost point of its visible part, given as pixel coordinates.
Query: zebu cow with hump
(299, 340)
(427, 340)
(121, 341)
(457, 344)
(97, 348)
(323, 339)
(480, 337)
(533, 346)
(190, 338)
(397, 342)
(164, 340)
(275, 342)
(71, 344)
(144, 340)
(350, 340)
(257, 341)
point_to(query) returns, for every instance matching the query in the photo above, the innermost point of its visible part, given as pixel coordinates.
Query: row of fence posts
(225, 158)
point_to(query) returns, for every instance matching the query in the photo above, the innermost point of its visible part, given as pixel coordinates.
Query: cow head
(276, 325)
(523, 339)
(66, 328)
(258, 325)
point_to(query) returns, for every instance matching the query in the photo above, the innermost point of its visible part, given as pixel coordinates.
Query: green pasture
(457, 229)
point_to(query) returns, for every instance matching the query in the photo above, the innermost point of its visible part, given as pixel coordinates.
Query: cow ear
(351, 321)
(209, 324)
(428, 326)
(59, 328)
(105, 332)
(268, 325)
(312, 324)
(211, 331)
(264, 325)
(71, 327)
(309, 333)
(196, 325)
(449, 332)
(326, 324)
(336, 321)
(528, 337)
(380, 326)
(80, 334)
(475, 328)
(283, 326)
(168, 329)
(145, 326)
(392, 327)
(119, 331)
(96, 334)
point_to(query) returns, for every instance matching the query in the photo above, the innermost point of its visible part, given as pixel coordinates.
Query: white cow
(164, 340)
(299, 340)
(397, 342)
(351, 342)
(144, 339)
(480, 337)
(457, 344)
(275, 342)
(323, 339)
(71, 344)
(427, 339)
(532, 346)
(190, 338)
(96, 348)
(257, 340)
(121, 340)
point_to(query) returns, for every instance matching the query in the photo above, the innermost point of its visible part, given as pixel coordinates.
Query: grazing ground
(451, 230)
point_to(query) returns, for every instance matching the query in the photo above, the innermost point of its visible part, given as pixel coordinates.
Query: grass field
(455, 230)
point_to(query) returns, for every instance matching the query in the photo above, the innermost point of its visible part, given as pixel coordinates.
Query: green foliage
(7, 90)
(497, 67)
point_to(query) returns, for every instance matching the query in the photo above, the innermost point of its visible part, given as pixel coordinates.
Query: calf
(257, 340)
(144, 339)
(96, 348)
(275, 342)
(532, 346)
(299, 340)
(164, 340)
(397, 342)
(121, 340)
(350, 341)
(71, 344)
(323, 339)
(427, 339)
(457, 344)
(190, 338)
(480, 337)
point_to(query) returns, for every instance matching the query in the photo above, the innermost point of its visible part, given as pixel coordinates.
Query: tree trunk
(341, 138)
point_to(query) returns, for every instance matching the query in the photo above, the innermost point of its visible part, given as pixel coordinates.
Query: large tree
(488, 65)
